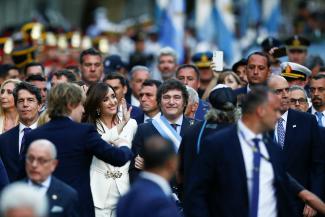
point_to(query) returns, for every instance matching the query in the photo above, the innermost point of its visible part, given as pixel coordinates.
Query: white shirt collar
(45, 184)
(284, 116)
(146, 117)
(22, 126)
(179, 121)
(162, 182)
(248, 133)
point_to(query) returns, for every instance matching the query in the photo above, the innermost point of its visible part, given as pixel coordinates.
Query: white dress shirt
(146, 117)
(284, 116)
(267, 204)
(179, 122)
(135, 101)
(313, 111)
(43, 187)
(21, 132)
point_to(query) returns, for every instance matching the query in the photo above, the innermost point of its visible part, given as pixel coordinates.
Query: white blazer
(99, 183)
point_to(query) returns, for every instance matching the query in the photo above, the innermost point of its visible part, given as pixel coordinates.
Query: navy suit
(140, 118)
(304, 154)
(76, 145)
(63, 200)
(136, 111)
(147, 130)
(219, 187)
(241, 90)
(201, 110)
(9, 152)
(188, 148)
(3, 176)
(146, 199)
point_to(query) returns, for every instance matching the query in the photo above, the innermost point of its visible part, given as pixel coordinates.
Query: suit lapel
(187, 123)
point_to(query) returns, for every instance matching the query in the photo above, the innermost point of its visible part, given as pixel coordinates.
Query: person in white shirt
(107, 182)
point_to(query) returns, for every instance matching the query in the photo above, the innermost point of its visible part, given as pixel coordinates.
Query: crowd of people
(99, 137)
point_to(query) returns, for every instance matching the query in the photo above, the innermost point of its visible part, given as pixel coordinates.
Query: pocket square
(57, 209)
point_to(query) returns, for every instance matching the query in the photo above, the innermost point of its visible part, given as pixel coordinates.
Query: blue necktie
(281, 132)
(319, 116)
(22, 145)
(256, 179)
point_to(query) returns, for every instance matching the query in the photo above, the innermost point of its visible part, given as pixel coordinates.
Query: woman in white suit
(107, 182)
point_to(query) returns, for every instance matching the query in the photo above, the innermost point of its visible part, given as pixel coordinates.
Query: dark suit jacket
(241, 90)
(139, 119)
(145, 131)
(219, 187)
(4, 180)
(9, 152)
(76, 145)
(304, 154)
(136, 111)
(201, 110)
(63, 200)
(188, 148)
(146, 199)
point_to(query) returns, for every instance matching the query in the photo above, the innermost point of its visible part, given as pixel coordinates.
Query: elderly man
(298, 98)
(40, 164)
(138, 75)
(22, 200)
(193, 102)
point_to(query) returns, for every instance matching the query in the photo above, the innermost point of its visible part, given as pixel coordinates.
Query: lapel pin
(294, 126)
(54, 197)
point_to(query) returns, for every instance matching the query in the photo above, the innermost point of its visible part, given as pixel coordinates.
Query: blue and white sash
(167, 131)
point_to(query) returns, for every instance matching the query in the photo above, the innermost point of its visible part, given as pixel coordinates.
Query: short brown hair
(61, 96)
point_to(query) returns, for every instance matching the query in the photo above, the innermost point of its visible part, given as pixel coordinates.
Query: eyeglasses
(300, 101)
(39, 161)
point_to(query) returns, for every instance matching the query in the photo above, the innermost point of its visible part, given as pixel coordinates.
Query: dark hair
(90, 51)
(30, 88)
(74, 69)
(259, 53)
(172, 84)
(115, 76)
(35, 78)
(67, 73)
(157, 151)
(33, 64)
(318, 76)
(151, 82)
(256, 97)
(184, 66)
(95, 95)
(242, 62)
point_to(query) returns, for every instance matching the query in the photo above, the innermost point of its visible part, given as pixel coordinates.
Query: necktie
(256, 179)
(26, 131)
(319, 116)
(281, 132)
(174, 126)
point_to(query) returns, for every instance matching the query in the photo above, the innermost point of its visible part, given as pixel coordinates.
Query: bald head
(44, 144)
(280, 87)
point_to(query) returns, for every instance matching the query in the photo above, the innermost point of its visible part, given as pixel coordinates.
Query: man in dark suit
(317, 91)
(40, 164)
(257, 70)
(148, 101)
(28, 103)
(151, 194)
(76, 143)
(298, 135)
(172, 98)
(239, 171)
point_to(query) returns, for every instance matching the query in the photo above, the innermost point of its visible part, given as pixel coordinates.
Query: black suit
(147, 130)
(219, 187)
(9, 152)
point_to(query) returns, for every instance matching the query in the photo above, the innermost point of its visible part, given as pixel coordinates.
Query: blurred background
(126, 26)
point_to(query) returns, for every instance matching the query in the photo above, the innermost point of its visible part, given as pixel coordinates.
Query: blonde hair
(43, 118)
(15, 82)
(62, 96)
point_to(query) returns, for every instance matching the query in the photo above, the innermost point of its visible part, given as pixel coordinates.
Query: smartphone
(280, 52)
(217, 59)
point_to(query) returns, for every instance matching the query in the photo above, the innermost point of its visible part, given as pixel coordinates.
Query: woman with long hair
(107, 182)
(8, 112)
